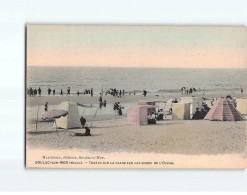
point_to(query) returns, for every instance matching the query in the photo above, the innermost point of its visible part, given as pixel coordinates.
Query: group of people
(101, 102)
(115, 92)
(33, 92)
(86, 91)
(118, 108)
(200, 114)
(187, 91)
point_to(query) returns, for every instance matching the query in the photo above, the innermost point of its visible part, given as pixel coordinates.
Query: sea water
(154, 80)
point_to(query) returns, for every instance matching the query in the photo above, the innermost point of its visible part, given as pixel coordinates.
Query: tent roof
(223, 110)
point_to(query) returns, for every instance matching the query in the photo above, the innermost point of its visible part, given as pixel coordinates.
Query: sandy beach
(187, 137)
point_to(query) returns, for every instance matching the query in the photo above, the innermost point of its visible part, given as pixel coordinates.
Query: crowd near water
(33, 92)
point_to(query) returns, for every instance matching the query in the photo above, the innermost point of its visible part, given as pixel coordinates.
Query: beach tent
(181, 111)
(195, 102)
(168, 105)
(72, 120)
(223, 110)
(242, 105)
(138, 114)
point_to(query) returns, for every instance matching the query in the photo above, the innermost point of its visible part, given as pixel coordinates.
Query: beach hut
(72, 120)
(223, 110)
(138, 114)
(242, 105)
(181, 111)
(195, 102)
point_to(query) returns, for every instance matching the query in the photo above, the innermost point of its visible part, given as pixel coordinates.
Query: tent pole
(94, 117)
(37, 119)
(56, 125)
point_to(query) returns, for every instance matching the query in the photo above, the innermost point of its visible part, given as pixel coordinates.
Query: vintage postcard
(102, 96)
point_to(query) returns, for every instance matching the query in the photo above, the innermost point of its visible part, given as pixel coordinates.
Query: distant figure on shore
(54, 91)
(115, 107)
(61, 92)
(104, 103)
(120, 93)
(49, 91)
(144, 93)
(68, 91)
(120, 111)
(46, 106)
(100, 99)
(183, 90)
(91, 92)
(35, 92)
(78, 93)
(31, 91)
(39, 91)
(190, 91)
(242, 91)
(134, 92)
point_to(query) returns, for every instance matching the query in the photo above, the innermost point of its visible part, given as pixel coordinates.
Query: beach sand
(187, 138)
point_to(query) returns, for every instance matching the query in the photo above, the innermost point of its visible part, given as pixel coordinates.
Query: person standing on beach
(46, 106)
(61, 93)
(100, 99)
(144, 93)
(30, 91)
(54, 91)
(91, 92)
(39, 91)
(120, 93)
(68, 91)
(78, 93)
(49, 91)
(35, 92)
(242, 91)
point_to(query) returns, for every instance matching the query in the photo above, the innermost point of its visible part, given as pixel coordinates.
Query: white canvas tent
(195, 102)
(72, 120)
(242, 105)
(168, 105)
(181, 111)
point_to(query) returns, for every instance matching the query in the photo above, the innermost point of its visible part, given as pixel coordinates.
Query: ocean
(154, 80)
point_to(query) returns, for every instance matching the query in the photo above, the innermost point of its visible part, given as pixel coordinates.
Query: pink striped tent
(138, 114)
(223, 110)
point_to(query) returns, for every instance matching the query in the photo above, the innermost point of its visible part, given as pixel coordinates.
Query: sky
(137, 46)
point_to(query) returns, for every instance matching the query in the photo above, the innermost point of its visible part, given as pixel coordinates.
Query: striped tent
(223, 110)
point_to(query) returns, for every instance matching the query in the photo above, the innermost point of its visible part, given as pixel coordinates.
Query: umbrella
(53, 114)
